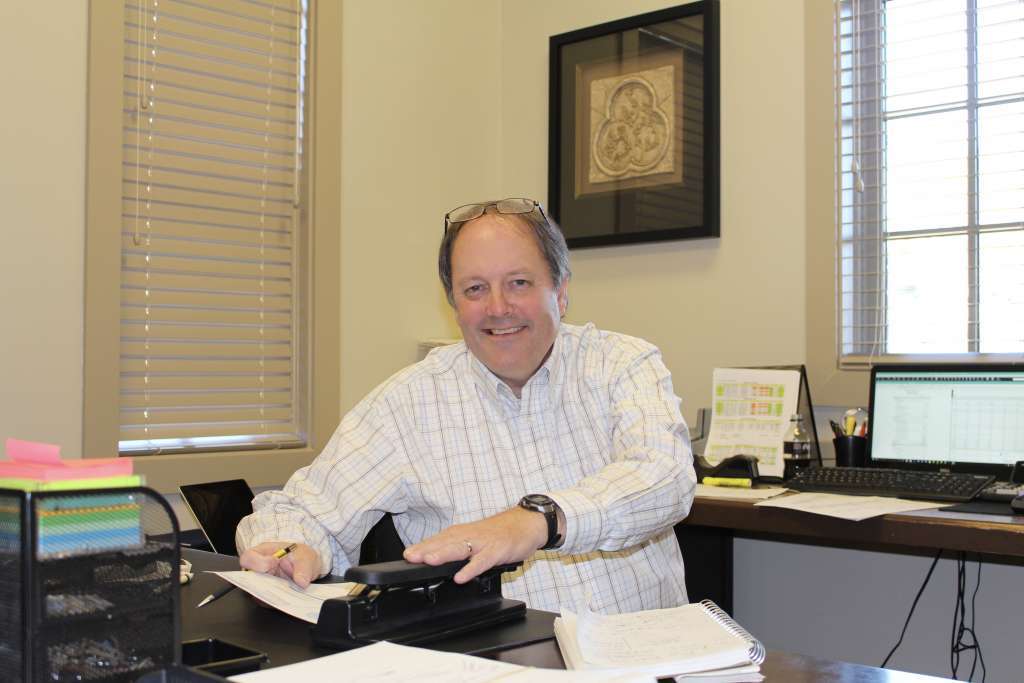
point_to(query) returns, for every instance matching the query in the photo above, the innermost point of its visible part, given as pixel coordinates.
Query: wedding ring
(469, 546)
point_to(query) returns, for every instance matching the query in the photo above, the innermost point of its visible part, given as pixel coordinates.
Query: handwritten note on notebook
(285, 595)
(696, 642)
(686, 635)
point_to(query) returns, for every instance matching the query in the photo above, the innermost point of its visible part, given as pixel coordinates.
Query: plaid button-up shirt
(598, 429)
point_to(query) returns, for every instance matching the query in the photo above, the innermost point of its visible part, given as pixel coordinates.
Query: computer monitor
(218, 507)
(962, 418)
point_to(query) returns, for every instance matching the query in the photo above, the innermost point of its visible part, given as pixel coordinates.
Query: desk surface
(930, 530)
(236, 618)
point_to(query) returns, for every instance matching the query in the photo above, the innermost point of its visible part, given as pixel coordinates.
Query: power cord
(912, 608)
(964, 639)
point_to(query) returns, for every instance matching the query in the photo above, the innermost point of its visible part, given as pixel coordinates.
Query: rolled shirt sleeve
(332, 503)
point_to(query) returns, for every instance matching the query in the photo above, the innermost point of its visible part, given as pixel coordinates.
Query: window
(199, 267)
(930, 177)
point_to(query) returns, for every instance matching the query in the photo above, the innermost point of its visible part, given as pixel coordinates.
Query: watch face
(538, 499)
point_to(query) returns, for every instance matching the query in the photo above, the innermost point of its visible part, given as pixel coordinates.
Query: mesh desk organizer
(88, 585)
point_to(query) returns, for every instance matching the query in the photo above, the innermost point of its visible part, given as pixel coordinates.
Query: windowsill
(165, 473)
(865, 362)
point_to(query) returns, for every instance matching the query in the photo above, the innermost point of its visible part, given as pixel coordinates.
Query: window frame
(868, 309)
(320, 403)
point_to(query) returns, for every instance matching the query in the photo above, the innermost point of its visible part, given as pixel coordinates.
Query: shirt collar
(542, 380)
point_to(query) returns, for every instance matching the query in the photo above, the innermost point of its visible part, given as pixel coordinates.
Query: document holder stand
(412, 604)
(88, 585)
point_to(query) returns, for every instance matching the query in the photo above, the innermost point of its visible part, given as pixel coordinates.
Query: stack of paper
(854, 508)
(696, 642)
(10, 524)
(303, 603)
(38, 467)
(75, 523)
(69, 525)
(385, 662)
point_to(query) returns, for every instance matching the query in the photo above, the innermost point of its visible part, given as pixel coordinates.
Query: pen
(849, 424)
(230, 587)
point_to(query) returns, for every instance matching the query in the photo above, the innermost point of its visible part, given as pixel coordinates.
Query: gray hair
(545, 231)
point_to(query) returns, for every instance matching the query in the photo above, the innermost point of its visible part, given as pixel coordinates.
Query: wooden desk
(236, 618)
(706, 536)
(927, 530)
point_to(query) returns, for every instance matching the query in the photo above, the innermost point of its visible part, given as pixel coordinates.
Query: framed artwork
(633, 128)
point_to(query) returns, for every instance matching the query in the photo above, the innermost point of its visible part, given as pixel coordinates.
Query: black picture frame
(633, 148)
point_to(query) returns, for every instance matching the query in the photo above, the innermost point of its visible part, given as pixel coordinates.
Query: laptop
(218, 507)
(956, 417)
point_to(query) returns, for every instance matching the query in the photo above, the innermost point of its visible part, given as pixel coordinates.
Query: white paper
(389, 663)
(734, 493)
(684, 639)
(748, 674)
(750, 411)
(286, 595)
(854, 508)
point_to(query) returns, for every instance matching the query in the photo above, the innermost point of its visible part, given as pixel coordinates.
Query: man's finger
(302, 567)
(476, 566)
(254, 560)
(436, 550)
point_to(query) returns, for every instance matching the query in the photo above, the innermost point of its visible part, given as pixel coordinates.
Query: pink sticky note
(33, 451)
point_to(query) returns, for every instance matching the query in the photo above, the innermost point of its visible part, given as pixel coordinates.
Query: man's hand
(301, 565)
(507, 537)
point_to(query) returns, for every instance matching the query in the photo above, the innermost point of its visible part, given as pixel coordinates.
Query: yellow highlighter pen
(734, 482)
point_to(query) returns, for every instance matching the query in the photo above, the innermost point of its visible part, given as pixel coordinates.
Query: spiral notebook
(695, 642)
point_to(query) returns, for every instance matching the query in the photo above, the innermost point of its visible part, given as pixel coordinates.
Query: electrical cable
(913, 606)
(964, 638)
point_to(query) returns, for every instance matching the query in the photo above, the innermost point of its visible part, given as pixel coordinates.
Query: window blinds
(930, 177)
(211, 166)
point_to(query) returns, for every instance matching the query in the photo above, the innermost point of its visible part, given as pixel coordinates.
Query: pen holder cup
(851, 451)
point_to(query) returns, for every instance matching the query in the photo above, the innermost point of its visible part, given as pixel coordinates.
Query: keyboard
(1001, 492)
(865, 481)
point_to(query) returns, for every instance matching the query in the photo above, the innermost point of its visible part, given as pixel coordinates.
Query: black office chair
(382, 544)
(707, 556)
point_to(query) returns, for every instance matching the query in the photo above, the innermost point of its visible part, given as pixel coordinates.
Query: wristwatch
(538, 502)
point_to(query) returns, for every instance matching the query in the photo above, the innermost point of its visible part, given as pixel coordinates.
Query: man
(532, 440)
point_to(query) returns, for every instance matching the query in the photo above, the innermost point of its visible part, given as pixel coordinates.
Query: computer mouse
(1017, 504)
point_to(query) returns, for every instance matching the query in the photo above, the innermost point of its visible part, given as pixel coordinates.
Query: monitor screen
(968, 418)
(218, 507)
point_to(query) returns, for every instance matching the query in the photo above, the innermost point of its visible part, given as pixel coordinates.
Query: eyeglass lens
(508, 206)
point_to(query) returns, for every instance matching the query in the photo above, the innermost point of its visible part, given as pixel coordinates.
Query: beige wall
(42, 191)
(445, 101)
(420, 133)
(478, 128)
(737, 300)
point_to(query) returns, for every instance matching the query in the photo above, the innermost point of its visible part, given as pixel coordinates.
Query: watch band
(538, 502)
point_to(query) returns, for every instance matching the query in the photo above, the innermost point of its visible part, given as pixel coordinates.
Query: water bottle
(796, 447)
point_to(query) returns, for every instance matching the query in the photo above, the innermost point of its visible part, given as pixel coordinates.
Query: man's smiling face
(506, 304)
